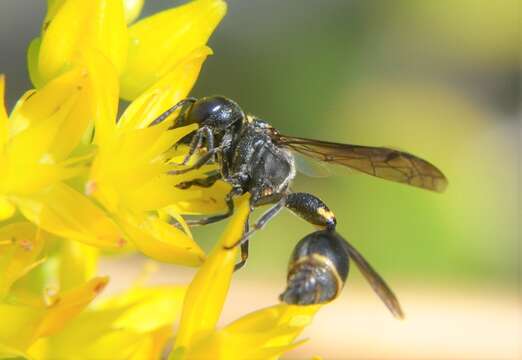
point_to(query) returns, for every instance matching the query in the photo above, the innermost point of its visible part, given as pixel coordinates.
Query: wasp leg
(244, 256)
(311, 209)
(306, 206)
(182, 104)
(197, 142)
(201, 182)
(216, 218)
(244, 248)
(260, 223)
(201, 161)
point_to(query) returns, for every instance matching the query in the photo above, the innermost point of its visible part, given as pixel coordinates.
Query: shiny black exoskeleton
(318, 269)
(254, 158)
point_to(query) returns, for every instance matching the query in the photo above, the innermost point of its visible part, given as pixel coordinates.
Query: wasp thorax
(317, 270)
(216, 112)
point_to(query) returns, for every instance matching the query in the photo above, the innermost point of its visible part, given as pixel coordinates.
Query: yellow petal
(263, 334)
(65, 212)
(28, 323)
(161, 41)
(134, 324)
(132, 9)
(153, 345)
(129, 172)
(165, 92)
(207, 291)
(279, 324)
(66, 306)
(104, 89)
(209, 200)
(22, 320)
(80, 26)
(7, 209)
(88, 330)
(3, 114)
(52, 9)
(33, 51)
(40, 279)
(7, 352)
(55, 116)
(77, 264)
(114, 344)
(162, 241)
(239, 347)
(146, 308)
(21, 255)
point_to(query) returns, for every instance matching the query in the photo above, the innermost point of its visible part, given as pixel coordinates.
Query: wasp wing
(380, 162)
(311, 167)
(377, 283)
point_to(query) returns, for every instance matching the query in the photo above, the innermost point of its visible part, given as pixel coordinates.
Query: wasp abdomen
(312, 209)
(317, 270)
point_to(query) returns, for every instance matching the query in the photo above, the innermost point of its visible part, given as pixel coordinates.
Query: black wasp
(255, 158)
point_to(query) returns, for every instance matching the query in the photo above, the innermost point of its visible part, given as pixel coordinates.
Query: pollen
(121, 242)
(90, 187)
(26, 244)
(99, 287)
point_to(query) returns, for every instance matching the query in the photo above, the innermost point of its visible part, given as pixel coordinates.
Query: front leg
(212, 219)
(197, 142)
(184, 105)
(205, 158)
(205, 182)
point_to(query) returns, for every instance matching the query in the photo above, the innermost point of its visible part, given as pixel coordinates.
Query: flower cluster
(76, 183)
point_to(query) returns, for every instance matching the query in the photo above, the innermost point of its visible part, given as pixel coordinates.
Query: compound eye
(216, 112)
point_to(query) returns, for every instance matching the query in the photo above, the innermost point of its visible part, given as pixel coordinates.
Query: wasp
(253, 157)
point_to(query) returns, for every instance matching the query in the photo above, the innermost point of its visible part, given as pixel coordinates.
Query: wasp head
(216, 112)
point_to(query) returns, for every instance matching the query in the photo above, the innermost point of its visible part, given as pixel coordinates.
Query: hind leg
(244, 249)
(201, 182)
(305, 205)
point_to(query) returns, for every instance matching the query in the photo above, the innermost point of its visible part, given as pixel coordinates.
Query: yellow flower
(41, 149)
(33, 262)
(129, 173)
(21, 246)
(46, 149)
(28, 323)
(137, 324)
(133, 325)
(141, 53)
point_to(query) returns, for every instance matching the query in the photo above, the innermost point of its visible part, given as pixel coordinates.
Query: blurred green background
(440, 79)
